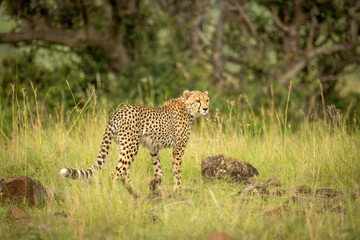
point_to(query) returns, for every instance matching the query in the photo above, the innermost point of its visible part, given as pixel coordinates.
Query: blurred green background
(145, 52)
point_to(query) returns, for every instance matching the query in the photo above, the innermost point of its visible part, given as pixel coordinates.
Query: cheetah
(155, 128)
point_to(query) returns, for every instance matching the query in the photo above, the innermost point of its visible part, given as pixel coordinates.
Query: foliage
(253, 48)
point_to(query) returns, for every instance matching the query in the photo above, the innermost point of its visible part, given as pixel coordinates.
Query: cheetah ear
(186, 94)
(206, 92)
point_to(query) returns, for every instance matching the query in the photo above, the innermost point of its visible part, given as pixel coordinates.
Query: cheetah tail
(98, 164)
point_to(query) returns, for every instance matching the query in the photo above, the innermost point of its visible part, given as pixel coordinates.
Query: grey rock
(22, 189)
(253, 190)
(60, 214)
(224, 167)
(272, 182)
(327, 192)
(300, 189)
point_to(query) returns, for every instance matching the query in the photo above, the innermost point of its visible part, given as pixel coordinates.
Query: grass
(318, 154)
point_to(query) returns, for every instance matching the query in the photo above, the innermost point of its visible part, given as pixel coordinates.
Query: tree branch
(325, 50)
(114, 50)
(298, 13)
(240, 62)
(57, 36)
(85, 16)
(244, 16)
(116, 20)
(311, 34)
(164, 8)
(217, 53)
(277, 20)
(353, 21)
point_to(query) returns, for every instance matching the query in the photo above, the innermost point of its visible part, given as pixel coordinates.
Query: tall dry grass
(320, 154)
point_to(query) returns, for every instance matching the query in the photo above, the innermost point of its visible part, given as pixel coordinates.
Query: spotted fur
(156, 129)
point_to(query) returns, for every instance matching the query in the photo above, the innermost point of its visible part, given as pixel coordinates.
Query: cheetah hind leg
(122, 171)
(156, 181)
(125, 179)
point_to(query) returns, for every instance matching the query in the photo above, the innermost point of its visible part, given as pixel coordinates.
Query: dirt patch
(219, 236)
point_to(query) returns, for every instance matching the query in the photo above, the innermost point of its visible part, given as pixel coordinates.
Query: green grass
(318, 154)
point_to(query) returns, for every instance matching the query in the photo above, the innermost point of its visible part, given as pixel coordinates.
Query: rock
(22, 189)
(300, 189)
(300, 198)
(272, 182)
(16, 213)
(278, 192)
(253, 190)
(315, 199)
(20, 217)
(219, 236)
(227, 167)
(330, 193)
(332, 208)
(60, 214)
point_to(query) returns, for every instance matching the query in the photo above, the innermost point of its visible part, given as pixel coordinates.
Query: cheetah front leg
(156, 181)
(178, 153)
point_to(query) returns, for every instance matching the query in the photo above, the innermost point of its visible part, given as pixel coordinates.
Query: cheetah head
(196, 102)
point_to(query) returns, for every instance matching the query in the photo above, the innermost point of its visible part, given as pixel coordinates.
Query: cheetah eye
(198, 101)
